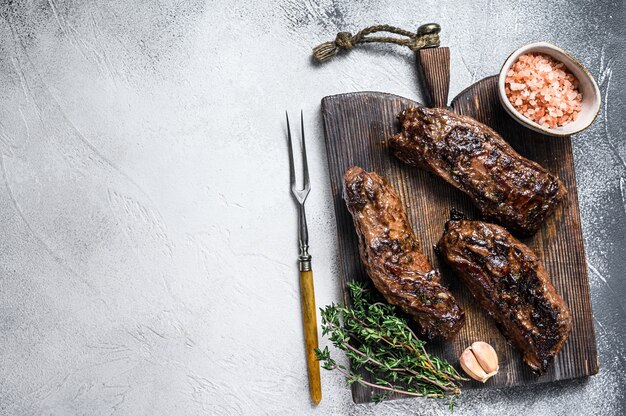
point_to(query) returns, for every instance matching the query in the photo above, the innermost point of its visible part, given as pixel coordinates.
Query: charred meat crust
(506, 187)
(512, 285)
(392, 257)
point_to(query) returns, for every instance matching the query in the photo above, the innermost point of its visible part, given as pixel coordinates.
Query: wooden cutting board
(357, 127)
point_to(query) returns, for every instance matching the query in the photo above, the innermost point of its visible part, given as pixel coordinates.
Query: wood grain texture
(357, 127)
(434, 68)
(309, 319)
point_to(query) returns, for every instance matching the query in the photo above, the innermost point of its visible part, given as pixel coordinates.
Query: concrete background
(147, 234)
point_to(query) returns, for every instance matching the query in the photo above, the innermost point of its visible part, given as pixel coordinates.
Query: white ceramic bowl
(587, 85)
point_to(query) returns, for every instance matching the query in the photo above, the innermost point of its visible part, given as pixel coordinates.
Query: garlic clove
(480, 361)
(470, 365)
(486, 357)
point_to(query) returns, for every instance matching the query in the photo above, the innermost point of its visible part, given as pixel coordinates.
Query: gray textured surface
(147, 234)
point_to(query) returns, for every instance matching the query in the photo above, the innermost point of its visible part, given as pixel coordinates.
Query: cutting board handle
(434, 67)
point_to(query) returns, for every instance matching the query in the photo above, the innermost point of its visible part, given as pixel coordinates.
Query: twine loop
(427, 36)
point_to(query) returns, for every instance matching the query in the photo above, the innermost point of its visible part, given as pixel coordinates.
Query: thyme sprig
(377, 340)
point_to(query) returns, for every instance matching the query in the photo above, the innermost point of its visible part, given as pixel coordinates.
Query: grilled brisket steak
(392, 259)
(516, 192)
(511, 284)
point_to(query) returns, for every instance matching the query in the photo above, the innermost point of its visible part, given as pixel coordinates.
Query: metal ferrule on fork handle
(304, 260)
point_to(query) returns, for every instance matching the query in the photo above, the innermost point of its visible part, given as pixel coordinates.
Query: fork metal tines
(300, 195)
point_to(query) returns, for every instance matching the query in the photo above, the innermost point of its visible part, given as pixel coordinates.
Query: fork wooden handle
(309, 318)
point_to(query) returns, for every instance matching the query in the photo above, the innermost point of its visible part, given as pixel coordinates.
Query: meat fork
(307, 292)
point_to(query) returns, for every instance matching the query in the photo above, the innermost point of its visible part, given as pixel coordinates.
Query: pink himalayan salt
(543, 90)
